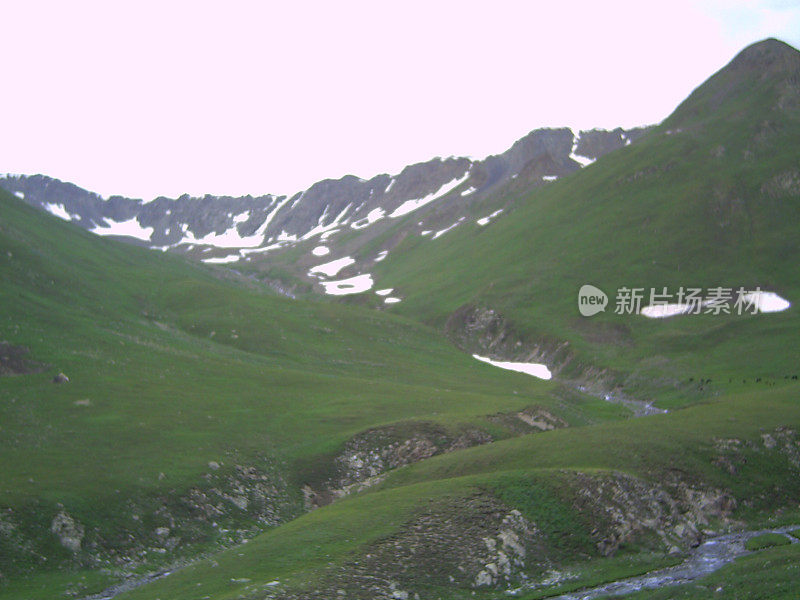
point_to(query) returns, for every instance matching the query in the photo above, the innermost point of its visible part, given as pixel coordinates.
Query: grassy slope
(663, 228)
(672, 210)
(694, 207)
(526, 472)
(171, 368)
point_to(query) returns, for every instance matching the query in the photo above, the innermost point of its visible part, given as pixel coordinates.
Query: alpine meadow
(386, 388)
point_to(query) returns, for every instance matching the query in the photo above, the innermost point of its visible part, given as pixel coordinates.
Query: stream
(709, 556)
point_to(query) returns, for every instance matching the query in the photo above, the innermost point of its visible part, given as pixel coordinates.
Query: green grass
(173, 365)
(766, 540)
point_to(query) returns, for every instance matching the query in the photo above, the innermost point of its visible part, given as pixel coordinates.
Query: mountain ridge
(186, 221)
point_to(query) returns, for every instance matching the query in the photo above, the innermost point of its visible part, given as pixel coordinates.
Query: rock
(68, 531)
(213, 465)
(162, 532)
(60, 378)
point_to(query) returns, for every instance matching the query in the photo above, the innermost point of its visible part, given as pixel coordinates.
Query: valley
(385, 388)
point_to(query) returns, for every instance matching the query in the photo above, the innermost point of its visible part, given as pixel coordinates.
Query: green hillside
(172, 368)
(709, 198)
(257, 446)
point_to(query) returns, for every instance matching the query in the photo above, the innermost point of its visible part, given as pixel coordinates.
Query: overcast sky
(163, 98)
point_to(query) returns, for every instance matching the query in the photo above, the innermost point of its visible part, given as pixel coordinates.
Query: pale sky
(163, 98)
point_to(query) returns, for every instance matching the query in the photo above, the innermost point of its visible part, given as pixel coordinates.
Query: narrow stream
(705, 559)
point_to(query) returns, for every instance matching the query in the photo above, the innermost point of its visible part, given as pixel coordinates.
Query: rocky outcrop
(68, 531)
(473, 542)
(367, 456)
(669, 515)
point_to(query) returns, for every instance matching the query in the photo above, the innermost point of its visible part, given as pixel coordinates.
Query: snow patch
(376, 214)
(412, 205)
(321, 229)
(549, 177)
(321, 251)
(344, 287)
(439, 234)
(388, 187)
(536, 369)
(391, 300)
(227, 239)
(222, 259)
(485, 220)
(584, 161)
(20, 195)
(767, 301)
(468, 191)
(385, 292)
(332, 268)
(663, 311)
(130, 228)
(241, 218)
(381, 255)
(59, 211)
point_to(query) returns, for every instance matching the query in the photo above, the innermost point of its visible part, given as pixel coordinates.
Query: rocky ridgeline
(352, 203)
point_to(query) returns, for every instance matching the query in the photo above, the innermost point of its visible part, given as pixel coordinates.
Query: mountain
(219, 440)
(228, 229)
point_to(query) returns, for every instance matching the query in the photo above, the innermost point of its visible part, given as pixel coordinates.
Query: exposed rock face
(628, 509)
(472, 542)
(478, 542)
(483, 330)
(68, 531)
(370, 454)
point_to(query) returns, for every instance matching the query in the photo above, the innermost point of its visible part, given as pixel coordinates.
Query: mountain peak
(768, 55)
(771, 66)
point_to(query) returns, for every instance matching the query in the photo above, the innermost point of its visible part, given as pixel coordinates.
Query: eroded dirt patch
(14, 360)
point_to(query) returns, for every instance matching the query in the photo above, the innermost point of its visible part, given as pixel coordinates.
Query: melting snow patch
(332, 268)
(468, 191)
(322, 229)
(536, 369)
(131, 228)
(439, 234)
(246, 251)
(353, 285)
(485, 220)
(59, 211)
(385, 292)
(228, 239)
(391, 300)
(376, 214)
(320, 251)
(222, 259)
(754, 301)
(549, 177)
(388, 187)
(426, 232)
(20, 195)
(662, 311)
(584, 161)
(381, 255)
(412, 205)
(767, 301)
